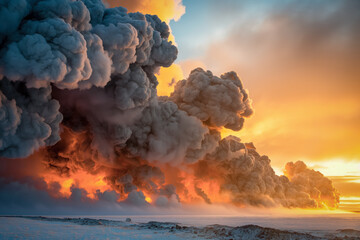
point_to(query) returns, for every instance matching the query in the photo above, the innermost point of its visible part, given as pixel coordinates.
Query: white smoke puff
(166, 134)
(39, 119)
(218, 102)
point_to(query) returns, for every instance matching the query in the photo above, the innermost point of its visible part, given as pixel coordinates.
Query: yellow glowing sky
(301, 70)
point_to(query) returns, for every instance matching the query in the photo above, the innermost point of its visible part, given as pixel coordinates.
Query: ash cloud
(218, 102)
(29, 119)
(57, 44)
(250, 179)
(78, 87)
(167, 134)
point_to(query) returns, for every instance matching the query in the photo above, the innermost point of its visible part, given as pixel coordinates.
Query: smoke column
(81, 122)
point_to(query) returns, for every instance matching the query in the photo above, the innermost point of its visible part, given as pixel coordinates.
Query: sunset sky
(300, 62)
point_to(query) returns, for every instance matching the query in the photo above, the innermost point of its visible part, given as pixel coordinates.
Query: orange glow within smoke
(148, 199)
(191, 188)
(90, 183)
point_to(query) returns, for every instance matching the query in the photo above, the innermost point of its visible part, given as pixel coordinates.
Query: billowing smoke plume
(218, 102)
(29, 118)
(249, 178)
(78, 88)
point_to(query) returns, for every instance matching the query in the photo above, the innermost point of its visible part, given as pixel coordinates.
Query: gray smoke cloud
(250, 179)
(167, 134)
(218, 102)
(57, 44)
(313, 182)
(29, 119)
(79, 79)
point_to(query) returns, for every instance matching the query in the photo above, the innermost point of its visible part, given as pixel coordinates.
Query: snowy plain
(169, 227)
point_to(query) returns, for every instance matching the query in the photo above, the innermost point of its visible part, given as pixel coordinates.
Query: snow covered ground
(23, 228)
(100, 228)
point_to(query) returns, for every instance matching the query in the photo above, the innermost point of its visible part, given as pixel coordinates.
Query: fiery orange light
(148, 199)
(90, 183)
(209, 187)
(65, 186)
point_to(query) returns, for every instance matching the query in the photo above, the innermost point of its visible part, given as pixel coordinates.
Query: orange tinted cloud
(349, 190)
(316, 129)
(166, 10)
(188, 65)
(301, 69)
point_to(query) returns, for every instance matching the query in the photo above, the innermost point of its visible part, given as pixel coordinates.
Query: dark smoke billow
(217, 102)
(78, 88)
